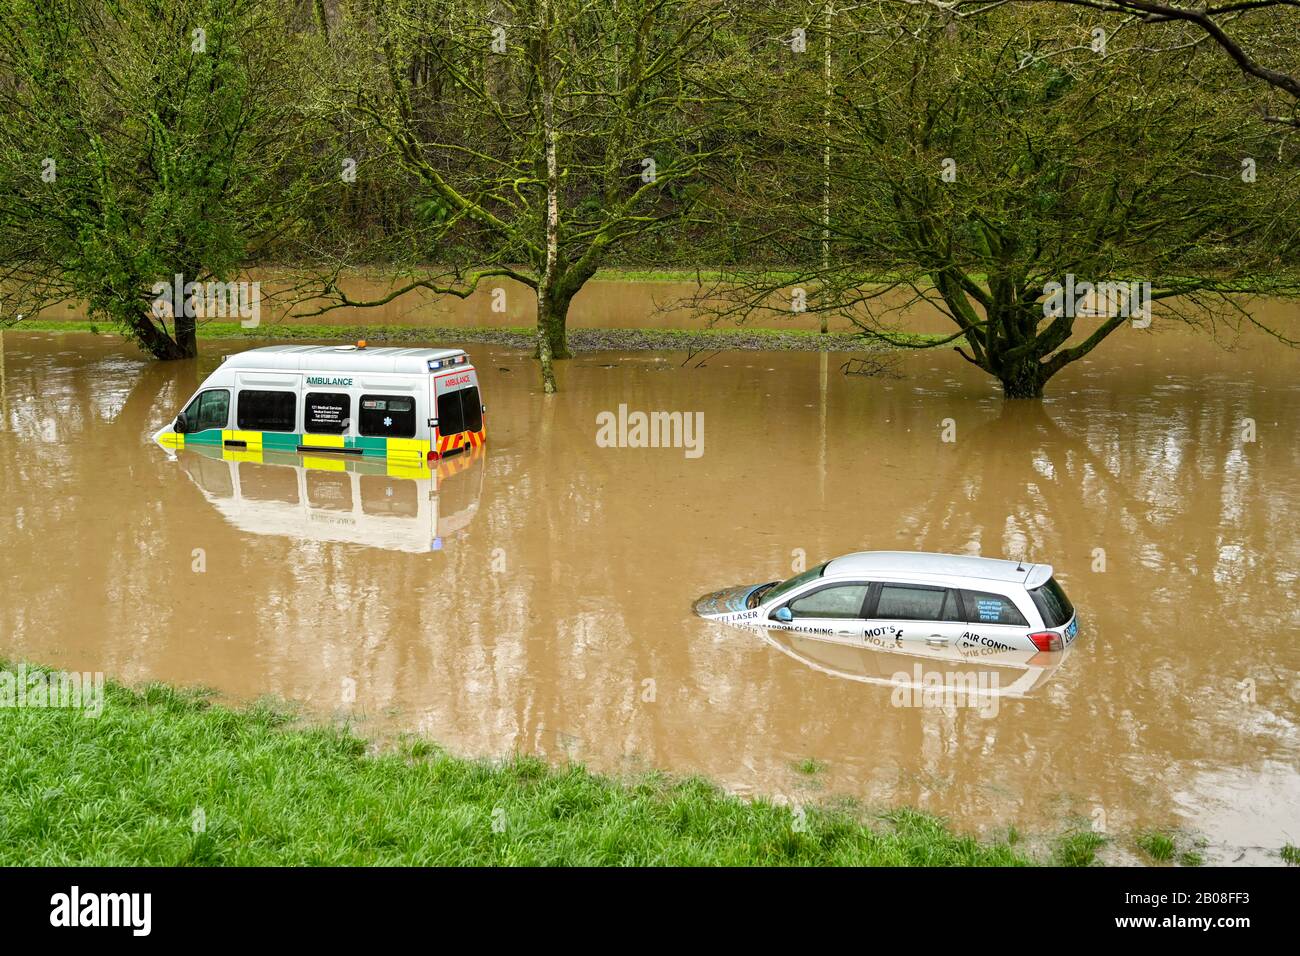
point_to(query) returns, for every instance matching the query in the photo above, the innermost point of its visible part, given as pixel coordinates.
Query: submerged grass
(166, 777)
(1159, 846)
(1078, 849)
(580, 340)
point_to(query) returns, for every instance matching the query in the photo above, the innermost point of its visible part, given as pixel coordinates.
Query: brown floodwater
(536, 597)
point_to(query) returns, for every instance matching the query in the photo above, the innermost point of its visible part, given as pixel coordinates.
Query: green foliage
(1159, 846)
(980, 160)
(1078, 849)
(139, 141)
(172, 159)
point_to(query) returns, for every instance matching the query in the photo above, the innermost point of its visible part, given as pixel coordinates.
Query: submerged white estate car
(893, 599)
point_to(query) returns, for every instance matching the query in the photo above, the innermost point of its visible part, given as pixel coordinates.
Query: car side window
(837, 600)
(985, 608)
(908, 602)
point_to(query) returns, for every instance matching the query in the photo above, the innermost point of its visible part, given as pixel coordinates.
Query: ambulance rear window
(451, 417)
(460, 411)
(473, 408)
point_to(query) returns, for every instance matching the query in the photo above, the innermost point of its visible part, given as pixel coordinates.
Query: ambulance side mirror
(181, 425)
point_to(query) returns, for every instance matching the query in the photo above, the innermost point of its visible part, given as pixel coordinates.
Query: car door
(905, 614)
(833, 610)
(994, 623)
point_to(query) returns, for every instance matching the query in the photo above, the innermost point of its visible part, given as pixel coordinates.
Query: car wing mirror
(181, 425)
(783, 615)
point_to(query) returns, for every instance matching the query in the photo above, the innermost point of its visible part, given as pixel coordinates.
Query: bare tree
(545, 135)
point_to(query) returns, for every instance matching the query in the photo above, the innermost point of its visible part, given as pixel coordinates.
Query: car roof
(867, 563)
(329, 358)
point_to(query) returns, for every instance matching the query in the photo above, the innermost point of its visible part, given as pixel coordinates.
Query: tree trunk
(1022, 379)
(548, 311)
(187, 342)
(826, 158)
(557, 325)
(159, 344)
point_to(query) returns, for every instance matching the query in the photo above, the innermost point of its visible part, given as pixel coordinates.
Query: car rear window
(985, 608)
(1052, 603)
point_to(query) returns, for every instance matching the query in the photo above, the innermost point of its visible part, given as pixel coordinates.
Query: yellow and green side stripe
(395, 448)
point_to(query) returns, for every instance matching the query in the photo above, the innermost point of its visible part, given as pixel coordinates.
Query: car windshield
(774, 592)
(1052, 603)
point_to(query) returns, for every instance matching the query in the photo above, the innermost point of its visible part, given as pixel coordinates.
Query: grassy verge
(128, 787)
(580, 340)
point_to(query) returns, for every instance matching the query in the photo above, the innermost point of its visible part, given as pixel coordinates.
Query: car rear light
(434, 455)
(1046, 640)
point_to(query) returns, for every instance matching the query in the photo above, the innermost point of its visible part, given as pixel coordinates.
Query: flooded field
(535, 597)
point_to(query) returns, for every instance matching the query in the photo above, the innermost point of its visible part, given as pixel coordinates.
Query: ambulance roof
(340, 358)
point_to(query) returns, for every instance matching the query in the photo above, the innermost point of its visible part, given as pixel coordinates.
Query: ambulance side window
(266, 411)
(387, 416)
(210, 409)
(326, 413)
(473, 409)
(451, 416)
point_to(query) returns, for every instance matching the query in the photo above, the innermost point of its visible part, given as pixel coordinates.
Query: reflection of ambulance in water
(416, 507)
(408, 405)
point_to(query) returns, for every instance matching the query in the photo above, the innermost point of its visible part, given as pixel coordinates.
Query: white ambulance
(408, 405)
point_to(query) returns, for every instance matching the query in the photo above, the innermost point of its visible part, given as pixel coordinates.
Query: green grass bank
(166, 777)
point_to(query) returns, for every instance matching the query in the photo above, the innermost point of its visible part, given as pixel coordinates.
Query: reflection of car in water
(969, 671)
(396, 505)
(904, 599)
